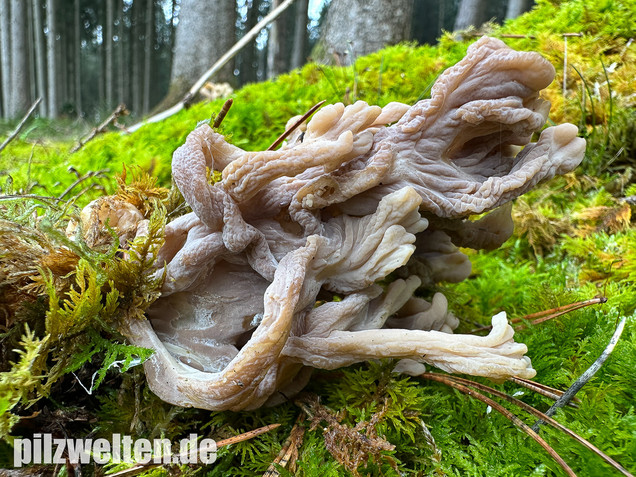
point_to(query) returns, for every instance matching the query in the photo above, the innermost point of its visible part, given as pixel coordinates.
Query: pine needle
(587, 375)
(546, 418)
(542, 389)
(547, 315)
(503, 411)
(294, 126)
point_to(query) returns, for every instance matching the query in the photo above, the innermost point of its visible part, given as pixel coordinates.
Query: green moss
(575, 239)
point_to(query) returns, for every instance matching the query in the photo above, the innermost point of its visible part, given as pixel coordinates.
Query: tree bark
(247, 58)
(51, 59)
(137, 55)
(300, 35)
(121, 79)
(5, 56)
(471, 13)
(40, 68)
(108, 44)
(517, 7)
(358, 27)
(19, 60)
(62, 64)
(78, 60)
(148, 50)
(205, 32)
(33, 89)
(273, 46)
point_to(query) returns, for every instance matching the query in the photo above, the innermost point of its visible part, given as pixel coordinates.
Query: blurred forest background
(84, 57)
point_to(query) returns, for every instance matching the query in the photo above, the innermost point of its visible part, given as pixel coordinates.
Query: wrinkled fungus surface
(247, 307)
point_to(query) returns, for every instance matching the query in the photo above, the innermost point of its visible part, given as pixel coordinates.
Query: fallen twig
(81, 179)
(551, 314)
(119, 111)
(535, 412)
(289, 452)
(138, 469)
(238, 46)
(505, 412)
(17, 130)
(29, 196)
(293, 127)
(586, 376)
(226, 107)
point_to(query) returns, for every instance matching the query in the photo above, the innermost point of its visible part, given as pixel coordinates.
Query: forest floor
(574, 240)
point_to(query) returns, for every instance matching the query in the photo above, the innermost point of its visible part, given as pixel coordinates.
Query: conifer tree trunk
(30, 51)
(40, 68)
(121, 80)
(137, 52)
(358, 27)
(148, 49)
(62, 63)
(205, 32)
(19, 60)
(78, 60)
(272, 45)
(108, 44)
(280, 36)
(471, 13)
(517, 7)
(300, 35)
(5, 56)
(248, 56)
(51, 59)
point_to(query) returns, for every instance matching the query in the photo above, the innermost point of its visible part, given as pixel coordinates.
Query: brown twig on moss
(17, 130)
(447, 380)
(138, 469)
(224, 110)
(547, 315)
(119, 111)
(293, 127)
(587, 375)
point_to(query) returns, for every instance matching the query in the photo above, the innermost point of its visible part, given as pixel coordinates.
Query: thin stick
(506, 413)
(586, 376)
(535, 412)
(119, 110)
(542, 389)
(575, 306)
(226, 107)
(29, 196)
(289, 451)
(238, 46)
(291, 129)
(138, 469)
(17, 130)
(565, 65)
(552, 313)
(81, 179)
(247, 435)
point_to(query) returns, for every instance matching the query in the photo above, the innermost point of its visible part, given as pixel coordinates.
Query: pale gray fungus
(247, 306)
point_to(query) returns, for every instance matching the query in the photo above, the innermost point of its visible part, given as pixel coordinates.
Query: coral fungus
(247, 306)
